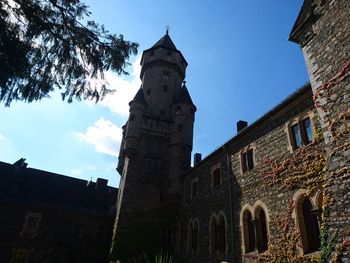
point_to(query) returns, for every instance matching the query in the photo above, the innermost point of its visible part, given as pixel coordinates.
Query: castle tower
(155, 152)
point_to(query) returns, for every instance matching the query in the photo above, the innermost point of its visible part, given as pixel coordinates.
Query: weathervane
(167, 28)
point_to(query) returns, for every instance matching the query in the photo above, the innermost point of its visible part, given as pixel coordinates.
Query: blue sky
(240, 66)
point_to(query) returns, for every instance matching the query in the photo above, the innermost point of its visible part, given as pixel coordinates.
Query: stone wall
(326, 48)
(269, 138)
(56, 238)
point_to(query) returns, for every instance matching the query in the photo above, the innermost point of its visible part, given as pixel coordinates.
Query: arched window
(218, 234)
(312, 232)
(307, 221)
(261, 230)
(248, 232)
(193, 235)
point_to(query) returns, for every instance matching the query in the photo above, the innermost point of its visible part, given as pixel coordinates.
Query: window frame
(194, 181)
(247, 159)
(216, 171)
(30, 231)
(300, 122)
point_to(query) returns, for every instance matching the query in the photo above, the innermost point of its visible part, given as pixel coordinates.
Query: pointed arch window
(312, 231)
(193, 236)
(307, 221)
(218, 242)
(261, 230)
(248, 232)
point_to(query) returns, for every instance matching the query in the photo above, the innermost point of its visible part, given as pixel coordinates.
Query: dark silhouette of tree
(44, 46)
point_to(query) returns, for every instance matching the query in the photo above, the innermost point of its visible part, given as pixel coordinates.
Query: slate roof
(139, 97)
(306, 17)
(183, 96)
(165, 42)
(44, 189)
(305, 89)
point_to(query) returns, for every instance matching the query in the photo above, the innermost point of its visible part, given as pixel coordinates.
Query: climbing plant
(307, 168)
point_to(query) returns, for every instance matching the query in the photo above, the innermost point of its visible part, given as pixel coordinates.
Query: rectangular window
(78, 230)
(31, 225)
(20, 256)
(216, 177)
(247, 160)
(250, 162)
(194, 189)
(306, 124)
(301, 133)
(296, 136)
(244, 162)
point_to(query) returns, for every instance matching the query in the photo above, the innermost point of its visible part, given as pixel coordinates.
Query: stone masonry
(226, 207)
(323, 32)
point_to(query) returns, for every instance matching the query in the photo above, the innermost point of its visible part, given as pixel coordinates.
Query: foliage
(284, 247)
(307, 168)
(328, 243)
(45, 46)
(162, 257)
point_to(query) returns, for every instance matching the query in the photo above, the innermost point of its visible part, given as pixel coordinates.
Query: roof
(165, 42)
(291, 98)
(306, 17)
(38, 188)
(183, 96)
(139, 97)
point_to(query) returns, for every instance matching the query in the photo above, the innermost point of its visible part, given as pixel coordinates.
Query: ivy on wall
(307, 168)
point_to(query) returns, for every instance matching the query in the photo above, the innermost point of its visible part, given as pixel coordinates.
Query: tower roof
(183, 96)
(139, 97)
(165, 42)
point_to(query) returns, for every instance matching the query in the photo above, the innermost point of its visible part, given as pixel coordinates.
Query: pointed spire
(183, 96)
(139, 97)
(165, 42)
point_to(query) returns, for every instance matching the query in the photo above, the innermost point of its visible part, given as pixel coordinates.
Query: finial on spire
(167, 28)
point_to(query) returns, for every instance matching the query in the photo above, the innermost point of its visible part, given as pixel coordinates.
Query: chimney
(241, 125)
(197, 159)
(101, 184)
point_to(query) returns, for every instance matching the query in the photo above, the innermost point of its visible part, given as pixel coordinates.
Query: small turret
(137, 108)
(183, 111)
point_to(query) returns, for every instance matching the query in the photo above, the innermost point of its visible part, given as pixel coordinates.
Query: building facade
(273, 191)
(47, 217)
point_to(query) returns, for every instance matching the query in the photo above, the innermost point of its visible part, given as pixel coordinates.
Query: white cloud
(2, 137)
(126, 89)
(75, 172)
(104, 135)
